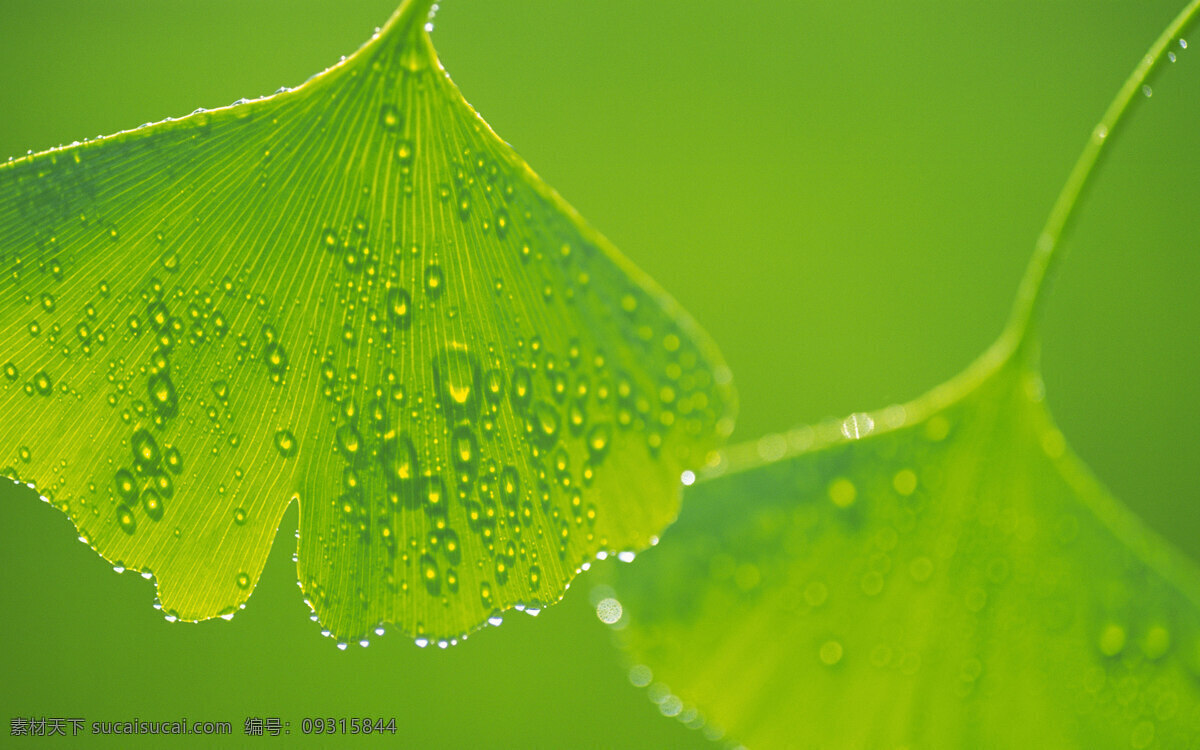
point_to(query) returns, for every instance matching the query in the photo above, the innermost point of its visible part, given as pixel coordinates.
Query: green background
(843, 195)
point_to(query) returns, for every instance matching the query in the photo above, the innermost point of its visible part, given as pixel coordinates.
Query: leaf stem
(410, 14)
(1020, 333)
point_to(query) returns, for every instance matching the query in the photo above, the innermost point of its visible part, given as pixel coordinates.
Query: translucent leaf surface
(352, 293)
(944, 574)
(959, 580)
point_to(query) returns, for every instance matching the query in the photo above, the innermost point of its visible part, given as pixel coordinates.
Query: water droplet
(243, 581)
(285, 443)
(842, 492)
(1112, 639)
(390, 118)
(349, 440)
(239, 516)
(522, 388)
(456, 375)
(920, 569)
(545, 423)
(145, 450)
(872, 583)
(640, 675)
(1054, 444)
(831, 653)
(42, 382)
(399, 305)
(857, 426)
(493, 385)
(162, 394)
(126, 485)
(435, 281)
(152, 504)
(510, 486)
(433, 490)
(1156, 642)
(905, 482)
(598, 438)
(11, 372)
(429, 574)
(609, 610)
(452, 547)
(125, 519)
(399, 457)
(275, 359)
(937, 428)
(465, 449)
(404, 152)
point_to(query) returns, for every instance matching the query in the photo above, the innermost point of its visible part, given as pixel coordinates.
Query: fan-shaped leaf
(941, 574)
(952, 577)
(352, 293)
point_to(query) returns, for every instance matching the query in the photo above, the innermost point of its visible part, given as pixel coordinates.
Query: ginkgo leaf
(946, 573)
(946, 579)
(354, 294)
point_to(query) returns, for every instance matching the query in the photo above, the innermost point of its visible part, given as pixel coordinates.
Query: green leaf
(355, 294)
(955, 577)
(946, 573)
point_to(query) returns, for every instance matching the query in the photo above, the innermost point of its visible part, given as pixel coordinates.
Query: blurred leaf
(941, 574)
(953, 577)
(352, 293)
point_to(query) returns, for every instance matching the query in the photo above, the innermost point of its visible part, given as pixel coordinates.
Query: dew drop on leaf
(285, 443)
(404, 152)
(435, 281)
